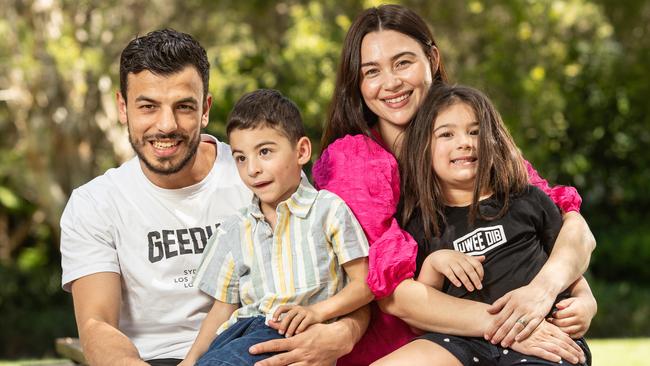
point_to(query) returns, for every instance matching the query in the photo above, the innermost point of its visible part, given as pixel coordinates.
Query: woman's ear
(303, 148)
(434, 59)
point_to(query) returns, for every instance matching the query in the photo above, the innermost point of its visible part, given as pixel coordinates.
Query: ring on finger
(522, 321)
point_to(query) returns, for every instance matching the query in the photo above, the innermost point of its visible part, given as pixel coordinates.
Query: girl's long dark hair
(500, 163)
(348, 113)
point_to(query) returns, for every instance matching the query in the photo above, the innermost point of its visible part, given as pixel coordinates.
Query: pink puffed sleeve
(565, 197)
(366, 177)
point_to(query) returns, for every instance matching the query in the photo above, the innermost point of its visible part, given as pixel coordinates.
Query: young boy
(280, 259)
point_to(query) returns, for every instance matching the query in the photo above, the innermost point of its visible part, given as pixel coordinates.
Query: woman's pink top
(366, 177)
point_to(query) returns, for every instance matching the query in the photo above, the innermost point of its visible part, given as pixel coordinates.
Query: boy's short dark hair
(267, 108)
(163, 52)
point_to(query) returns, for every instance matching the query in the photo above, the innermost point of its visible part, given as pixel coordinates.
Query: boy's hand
(296, 319)
(460, 268)
(574, 315)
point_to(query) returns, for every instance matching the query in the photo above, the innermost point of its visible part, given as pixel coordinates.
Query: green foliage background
(571, 78)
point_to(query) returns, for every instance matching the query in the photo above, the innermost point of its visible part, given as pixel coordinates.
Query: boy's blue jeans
(230, 348)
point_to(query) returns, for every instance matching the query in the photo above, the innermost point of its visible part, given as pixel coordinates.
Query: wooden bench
(70, 348)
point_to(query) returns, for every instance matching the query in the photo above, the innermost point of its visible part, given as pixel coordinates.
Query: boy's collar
(299, 203)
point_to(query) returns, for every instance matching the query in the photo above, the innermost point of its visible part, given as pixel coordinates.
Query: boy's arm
(354, 295)
(97, 299)
(218, 314)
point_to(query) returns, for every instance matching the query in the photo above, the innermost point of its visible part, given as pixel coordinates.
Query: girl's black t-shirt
(515, 246)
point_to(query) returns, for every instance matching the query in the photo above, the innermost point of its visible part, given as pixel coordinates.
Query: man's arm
(97, 298)
(320, 344)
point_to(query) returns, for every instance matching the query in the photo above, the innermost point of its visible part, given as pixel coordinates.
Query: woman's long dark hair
(348, 113)
(500, 163)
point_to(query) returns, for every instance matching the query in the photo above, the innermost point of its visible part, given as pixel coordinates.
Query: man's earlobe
(205, 115)
(121, 108)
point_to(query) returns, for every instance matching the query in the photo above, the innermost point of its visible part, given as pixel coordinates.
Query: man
(132, 238)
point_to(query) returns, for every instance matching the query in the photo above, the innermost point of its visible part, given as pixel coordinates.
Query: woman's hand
(519, 313)
(550, 343)
(461, 269)
(574, 315)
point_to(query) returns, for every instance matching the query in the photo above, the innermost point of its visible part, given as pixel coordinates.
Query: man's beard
(166, 169)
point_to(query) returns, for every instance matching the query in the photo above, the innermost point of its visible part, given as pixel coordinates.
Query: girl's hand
(550, 343)
(296, 319)
(460, 268)
(574, 315)
(519, 311)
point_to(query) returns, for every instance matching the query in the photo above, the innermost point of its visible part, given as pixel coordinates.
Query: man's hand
(550, 343)
(519, 312)
(295, 319)
(319, 345)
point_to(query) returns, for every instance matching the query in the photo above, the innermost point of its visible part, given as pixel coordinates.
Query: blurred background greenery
(571, 78)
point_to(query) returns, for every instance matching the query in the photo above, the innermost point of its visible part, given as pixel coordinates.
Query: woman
(388, 63)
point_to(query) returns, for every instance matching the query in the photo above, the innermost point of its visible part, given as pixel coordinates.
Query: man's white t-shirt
(153, 237)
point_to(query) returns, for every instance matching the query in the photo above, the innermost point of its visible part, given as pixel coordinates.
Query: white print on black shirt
(170, 243)
(481, 240)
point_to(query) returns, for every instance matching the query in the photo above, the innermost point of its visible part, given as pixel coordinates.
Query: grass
(606, 352)
(628, 352)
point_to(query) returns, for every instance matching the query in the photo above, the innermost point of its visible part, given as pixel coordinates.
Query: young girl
(468, 199)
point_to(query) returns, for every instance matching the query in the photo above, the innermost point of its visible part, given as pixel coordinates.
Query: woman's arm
(521, 310)
(412, 302)
(366, 177)
(566, 263)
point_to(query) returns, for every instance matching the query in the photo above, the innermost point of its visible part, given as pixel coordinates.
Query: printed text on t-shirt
(481, 240)
(170, 243)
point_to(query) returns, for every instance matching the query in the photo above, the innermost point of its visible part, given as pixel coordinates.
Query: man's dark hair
(163, 52)
(267, 108)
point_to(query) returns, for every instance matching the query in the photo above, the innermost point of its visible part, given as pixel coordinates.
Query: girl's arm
(429, 276)
(461, 269)
(218, 314)
(573, 315)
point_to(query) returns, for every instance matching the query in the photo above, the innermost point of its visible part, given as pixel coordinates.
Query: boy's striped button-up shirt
(246, 262)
